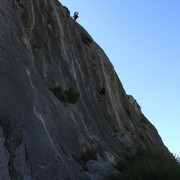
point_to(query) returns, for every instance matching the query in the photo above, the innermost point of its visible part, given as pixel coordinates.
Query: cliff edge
(44, 134)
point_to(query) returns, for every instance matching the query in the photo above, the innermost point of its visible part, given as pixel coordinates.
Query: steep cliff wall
(42, 135)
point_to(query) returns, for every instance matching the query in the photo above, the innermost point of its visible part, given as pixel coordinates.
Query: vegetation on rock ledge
(70, 95)
(148, 164)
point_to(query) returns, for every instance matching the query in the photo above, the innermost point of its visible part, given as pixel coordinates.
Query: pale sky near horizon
(142, 40)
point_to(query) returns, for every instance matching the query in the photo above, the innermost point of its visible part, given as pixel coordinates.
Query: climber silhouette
(102, 92)
(76, 15)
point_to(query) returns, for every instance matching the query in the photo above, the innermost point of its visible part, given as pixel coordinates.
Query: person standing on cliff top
(76, 15)
(102, 92)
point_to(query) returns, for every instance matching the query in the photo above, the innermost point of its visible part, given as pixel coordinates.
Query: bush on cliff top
(149, 164)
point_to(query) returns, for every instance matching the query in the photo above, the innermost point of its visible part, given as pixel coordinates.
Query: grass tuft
(149, 164)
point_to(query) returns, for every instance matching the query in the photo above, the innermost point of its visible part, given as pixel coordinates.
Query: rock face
(43, 52)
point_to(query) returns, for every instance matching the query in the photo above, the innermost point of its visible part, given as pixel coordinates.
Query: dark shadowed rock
(41, 135)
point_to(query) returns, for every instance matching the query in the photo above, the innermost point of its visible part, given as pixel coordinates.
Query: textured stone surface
(42, 137)
(4, 158)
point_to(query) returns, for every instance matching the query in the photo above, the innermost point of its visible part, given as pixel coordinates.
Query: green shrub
(149, 164)
(86, 38)
(59, 93)
(72, 95)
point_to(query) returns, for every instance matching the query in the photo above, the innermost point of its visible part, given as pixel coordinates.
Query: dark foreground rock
(45, 132)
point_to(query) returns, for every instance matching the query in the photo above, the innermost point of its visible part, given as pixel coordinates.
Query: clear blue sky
(142, 40)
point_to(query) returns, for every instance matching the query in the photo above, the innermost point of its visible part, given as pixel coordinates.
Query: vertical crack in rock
(44, 126)
(4, 157)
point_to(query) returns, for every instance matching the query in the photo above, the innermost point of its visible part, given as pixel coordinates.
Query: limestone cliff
(43, 52)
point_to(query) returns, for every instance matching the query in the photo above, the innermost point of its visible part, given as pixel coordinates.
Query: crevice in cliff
(13, 141)
(80, 162)
(4, 156)
(39, 116)
(18, 161)
(2, 47)
(22, 11)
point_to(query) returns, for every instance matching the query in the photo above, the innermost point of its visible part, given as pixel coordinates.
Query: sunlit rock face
(43, 134)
